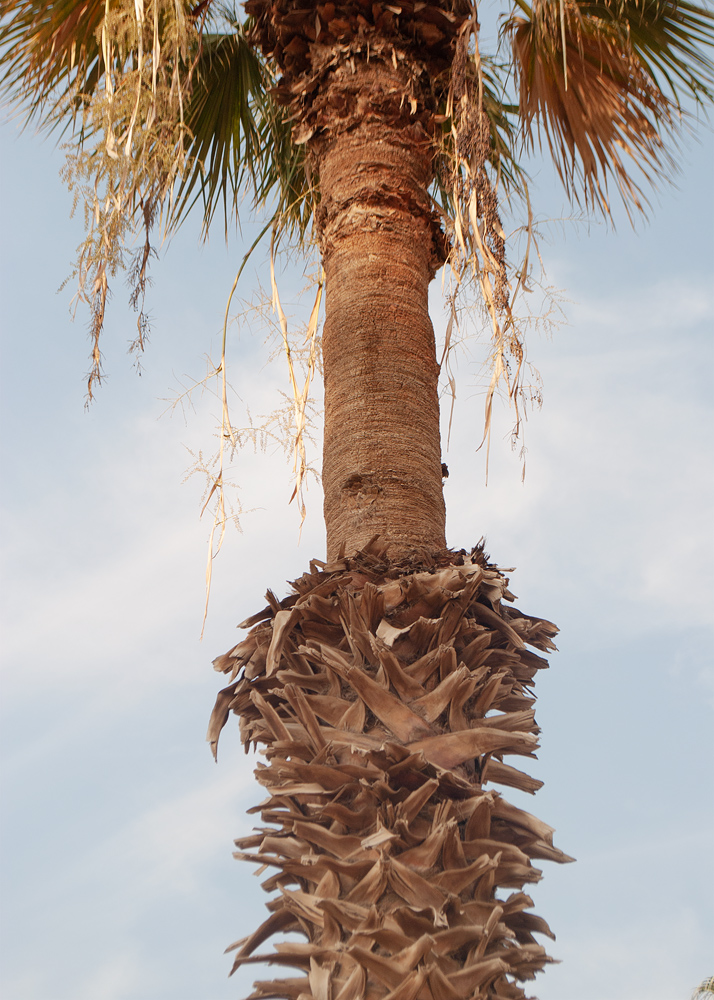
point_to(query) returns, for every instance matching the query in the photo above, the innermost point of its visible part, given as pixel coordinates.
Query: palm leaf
(48, 51)
(704, 990)
(669, 39)
(503, 120)
(240, 138)
(502, 115)
(284, 177)
(601, 84)
(224, 119)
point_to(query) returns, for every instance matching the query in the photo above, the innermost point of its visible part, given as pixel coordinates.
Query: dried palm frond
(594, 81)
(704, 990)
(300, 396)
(503, 127)
(478, 172)
(51, 52)
(117, 74)
(385, 696)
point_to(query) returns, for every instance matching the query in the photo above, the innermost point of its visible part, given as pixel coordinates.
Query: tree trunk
(378, 236)
(386, 690)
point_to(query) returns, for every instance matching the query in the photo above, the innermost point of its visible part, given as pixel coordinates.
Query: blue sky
(117, 827)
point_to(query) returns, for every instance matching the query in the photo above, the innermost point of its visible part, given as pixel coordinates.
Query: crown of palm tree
(601, 84)
(171, 104)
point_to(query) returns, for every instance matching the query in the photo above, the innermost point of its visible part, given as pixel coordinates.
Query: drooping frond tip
(603, 84)
(704, 990)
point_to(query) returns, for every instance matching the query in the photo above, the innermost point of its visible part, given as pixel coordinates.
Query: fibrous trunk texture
(378, 236)
(385, 695)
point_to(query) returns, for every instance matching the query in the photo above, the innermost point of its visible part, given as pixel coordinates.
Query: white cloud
(117, 977)
(659, 958)
(618, 488)
(166, 849)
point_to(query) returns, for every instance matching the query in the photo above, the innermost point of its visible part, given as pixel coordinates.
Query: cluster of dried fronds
(133, 148)
(476, 170)
(385, 696)
(162, 112)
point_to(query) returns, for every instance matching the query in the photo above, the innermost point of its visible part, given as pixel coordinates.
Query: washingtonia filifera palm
(388, 687)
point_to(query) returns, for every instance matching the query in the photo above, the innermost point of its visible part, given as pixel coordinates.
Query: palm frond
(601, 83)
(223, 116)
(504, 135)
(704, 990)
(285, 180)
(48, 51)
(669, 38)
(239, 140)
(503, 119)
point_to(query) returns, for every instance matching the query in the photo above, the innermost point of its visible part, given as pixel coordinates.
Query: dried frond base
(386, 695)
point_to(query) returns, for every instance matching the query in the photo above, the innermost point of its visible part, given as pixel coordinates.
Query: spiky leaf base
(385, 695)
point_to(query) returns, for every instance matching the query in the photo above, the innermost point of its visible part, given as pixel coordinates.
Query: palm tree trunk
(380, 249)
(386, 690)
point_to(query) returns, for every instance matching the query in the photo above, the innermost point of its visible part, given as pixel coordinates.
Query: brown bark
(382, 454)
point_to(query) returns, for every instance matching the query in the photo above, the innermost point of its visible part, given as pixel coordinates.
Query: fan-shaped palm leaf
(602, 83)
(48, 50)
(239, 139)
(225, 123)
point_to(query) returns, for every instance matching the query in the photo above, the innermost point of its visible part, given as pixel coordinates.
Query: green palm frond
(601, 83)
(503, 119)
(225, 123)
(669, 38)
(285, 180)
(240, 141)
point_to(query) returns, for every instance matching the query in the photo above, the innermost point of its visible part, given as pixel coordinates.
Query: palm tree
(387, 689)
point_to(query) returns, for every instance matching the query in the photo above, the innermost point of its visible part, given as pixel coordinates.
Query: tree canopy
(169, 104)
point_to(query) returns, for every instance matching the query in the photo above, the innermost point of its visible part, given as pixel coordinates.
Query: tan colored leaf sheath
(393, 857)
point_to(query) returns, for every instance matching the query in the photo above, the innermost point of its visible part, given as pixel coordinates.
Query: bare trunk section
(382, 452)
